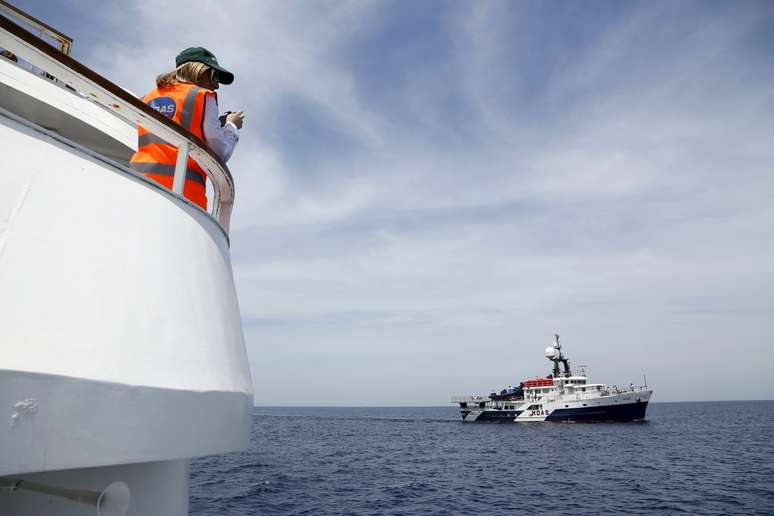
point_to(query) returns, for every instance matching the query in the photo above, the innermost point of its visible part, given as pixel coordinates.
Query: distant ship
(562, 396)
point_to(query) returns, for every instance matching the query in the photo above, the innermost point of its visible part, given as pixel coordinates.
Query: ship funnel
(111, 501)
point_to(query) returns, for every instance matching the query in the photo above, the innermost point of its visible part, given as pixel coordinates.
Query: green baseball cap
(202, 55)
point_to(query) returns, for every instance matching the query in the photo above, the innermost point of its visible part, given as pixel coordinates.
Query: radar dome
(552, 352)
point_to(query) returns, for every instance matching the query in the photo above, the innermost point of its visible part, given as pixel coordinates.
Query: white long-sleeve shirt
(221, 139)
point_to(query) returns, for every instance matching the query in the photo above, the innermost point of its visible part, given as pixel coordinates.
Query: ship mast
(554, 354)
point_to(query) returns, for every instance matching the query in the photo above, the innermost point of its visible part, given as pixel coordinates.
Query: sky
(428, 190)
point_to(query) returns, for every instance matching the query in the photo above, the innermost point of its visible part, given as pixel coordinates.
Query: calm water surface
(692, 458)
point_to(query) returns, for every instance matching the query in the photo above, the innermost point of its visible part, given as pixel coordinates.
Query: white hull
(603, 408)
(121, 346)
(624, 406)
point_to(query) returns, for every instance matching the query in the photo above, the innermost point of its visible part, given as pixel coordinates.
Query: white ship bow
(121, 346)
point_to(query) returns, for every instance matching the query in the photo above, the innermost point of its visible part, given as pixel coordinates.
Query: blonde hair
(187, 72)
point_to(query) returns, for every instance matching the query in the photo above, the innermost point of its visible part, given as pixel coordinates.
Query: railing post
(180, 168)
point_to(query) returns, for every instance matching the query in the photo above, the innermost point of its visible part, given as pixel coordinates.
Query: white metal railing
(120, 103)
(469, 399)
(65, 42)
(575, 372)
(578, 394)
(555, 395)
(624, 390)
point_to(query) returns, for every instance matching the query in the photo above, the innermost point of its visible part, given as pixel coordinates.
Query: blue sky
(427, 191)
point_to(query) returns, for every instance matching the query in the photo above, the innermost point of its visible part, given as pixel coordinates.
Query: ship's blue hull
(626, 412)
(606, 413)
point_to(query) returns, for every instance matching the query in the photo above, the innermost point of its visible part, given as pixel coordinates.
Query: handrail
(124, 105)
(460, 399)
(623, 390)
(65, 41)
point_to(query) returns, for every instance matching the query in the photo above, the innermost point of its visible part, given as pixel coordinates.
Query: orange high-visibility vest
(184, 103)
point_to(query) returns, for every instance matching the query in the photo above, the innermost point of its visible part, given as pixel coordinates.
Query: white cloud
(624, 198)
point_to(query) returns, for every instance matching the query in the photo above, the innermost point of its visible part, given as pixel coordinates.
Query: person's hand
(236, 118)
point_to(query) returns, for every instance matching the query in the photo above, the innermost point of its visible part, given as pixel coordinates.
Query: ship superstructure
(121, 346)
(562, 396)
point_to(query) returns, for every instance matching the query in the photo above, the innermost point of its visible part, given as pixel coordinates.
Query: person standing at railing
(187, 96)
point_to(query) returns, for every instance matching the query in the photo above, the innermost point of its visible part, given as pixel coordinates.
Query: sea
(686, 458)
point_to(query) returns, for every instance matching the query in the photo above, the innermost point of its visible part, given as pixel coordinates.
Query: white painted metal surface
(108, 285)
(121, 346)
(66, 101)
(156, 489)
(180, 168)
